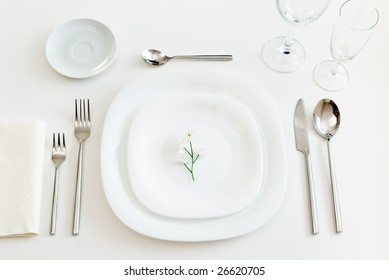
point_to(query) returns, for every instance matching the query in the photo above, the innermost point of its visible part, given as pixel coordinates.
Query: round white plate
(81, 48)
(226, 177)
(114, 170)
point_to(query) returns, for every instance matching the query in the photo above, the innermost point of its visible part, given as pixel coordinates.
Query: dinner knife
(302, 145)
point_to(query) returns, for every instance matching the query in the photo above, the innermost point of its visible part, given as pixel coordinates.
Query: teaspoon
(156, 57)
(326, 119)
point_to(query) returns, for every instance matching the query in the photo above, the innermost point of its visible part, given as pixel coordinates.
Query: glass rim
(353, 27)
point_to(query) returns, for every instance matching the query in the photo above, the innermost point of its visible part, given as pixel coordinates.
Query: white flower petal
(198, 150)
(183, 157)
(188, 136)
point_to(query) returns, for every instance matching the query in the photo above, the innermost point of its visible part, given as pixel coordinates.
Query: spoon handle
(335, 194)
(312, 196)
(217, 57)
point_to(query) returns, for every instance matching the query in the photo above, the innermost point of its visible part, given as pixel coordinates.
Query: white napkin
(22, 145)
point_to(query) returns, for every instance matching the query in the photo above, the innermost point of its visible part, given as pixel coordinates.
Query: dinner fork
(82, 130)
(58, 156)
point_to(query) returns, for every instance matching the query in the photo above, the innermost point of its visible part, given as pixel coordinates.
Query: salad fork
(82, 130)
(58, 157)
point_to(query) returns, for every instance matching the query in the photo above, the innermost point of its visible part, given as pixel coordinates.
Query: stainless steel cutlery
(326, 120)
(302, 145)
(82, 130)
(157, 58)
(58, 157)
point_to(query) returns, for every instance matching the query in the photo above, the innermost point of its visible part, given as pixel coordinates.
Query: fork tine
(63, 141)
(82, 108)
(88, 112)
(58, 141)
(75, 110)
(82, 112)
(53, 140)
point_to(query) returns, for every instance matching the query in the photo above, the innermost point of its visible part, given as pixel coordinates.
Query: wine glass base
(330, 75)
(283, 58)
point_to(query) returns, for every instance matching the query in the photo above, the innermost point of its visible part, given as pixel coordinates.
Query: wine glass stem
(289, 39)
(334, 69)
(288, 42)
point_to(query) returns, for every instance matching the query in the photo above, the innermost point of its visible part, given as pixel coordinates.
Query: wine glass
(350, 33)
(285, 54)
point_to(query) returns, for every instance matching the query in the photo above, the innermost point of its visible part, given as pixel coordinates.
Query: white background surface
(30, 89)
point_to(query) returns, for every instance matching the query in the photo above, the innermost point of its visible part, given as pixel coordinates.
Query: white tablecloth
(30, 89)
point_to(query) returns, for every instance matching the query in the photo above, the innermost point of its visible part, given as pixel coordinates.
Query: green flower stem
(196, 158)
(193, 160)
(188, 152)
(187, 168)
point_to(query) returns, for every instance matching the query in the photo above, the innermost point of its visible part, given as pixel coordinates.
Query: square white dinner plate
(114, 165)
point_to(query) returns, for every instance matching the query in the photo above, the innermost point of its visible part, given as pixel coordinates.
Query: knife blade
(302, 145)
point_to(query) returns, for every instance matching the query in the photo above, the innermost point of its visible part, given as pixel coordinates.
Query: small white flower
(188, 153)
(187, 137)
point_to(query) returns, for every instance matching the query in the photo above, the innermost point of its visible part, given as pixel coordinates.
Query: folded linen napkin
(22, 145)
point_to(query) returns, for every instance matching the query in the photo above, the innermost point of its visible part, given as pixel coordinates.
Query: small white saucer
(81, 48)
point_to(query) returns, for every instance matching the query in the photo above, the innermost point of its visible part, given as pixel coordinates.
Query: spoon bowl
(326, 119)
(157, 58)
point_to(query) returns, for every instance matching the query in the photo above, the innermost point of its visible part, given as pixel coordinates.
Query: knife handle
(312, 196)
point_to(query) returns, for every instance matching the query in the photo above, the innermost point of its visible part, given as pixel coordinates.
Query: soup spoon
(156, 57)
(326, 119)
